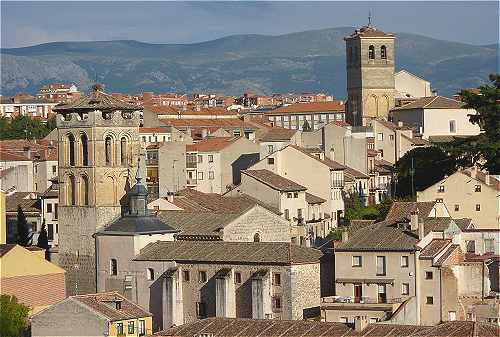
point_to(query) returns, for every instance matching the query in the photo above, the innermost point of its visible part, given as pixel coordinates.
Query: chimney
(400, 124)
(345, 236)
(487, 180)
(414, 220)
(170, 196)
(332, 153)
(421, 229)
(360, 323)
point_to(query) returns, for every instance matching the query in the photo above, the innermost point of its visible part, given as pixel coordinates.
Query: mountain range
(308, 61)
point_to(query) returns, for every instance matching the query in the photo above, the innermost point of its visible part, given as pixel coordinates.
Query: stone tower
(99, 145)
(370, 74)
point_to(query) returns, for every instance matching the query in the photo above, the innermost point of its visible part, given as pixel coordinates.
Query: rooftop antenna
(369, 18)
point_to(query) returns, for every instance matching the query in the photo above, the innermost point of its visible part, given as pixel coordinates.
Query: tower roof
(368, 31)
(96, 100)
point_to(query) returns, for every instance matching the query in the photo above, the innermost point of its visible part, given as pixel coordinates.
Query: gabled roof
(369, 31)
(330, 163)
(24, 200)
(302, 108)
(349, 171)
(274, 181)
(433, 248)
(212, 144)
(403, 209)
(273, 253)
(432, 102)
(313, 199)
(275, 134)
(102, 303)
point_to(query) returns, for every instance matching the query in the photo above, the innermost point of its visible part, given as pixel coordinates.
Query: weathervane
(369, 18)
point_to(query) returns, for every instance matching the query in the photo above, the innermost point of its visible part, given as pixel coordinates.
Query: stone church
(98, 138)
(370, 74)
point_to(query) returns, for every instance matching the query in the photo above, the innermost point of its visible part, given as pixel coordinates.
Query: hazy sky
(28, 23)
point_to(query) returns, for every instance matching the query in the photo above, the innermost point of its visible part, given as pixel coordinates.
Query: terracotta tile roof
(433, 102)
(171, 110)
(9, 156)
(330, 163)
(300, 108)
(198, 224)
(313, 199)
(449, 251)
(102, 303)
(211, 144)
(463, 223)
(403, 209)
(280, 253)
(494, 180)
(433, 248)
(369, 31)
(207, 123)
(232, 327)
(275, 134)
(349, 171)
(5, 248)
(417, 140)
(22, 199)
(274, 181)
(154, 130)
(392, 126)
(97, 100)
(383, 166)
(17, 150)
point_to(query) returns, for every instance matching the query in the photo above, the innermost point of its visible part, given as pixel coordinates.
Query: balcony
(151, 162)
(360, 300)
(383, 186)
(338, 183)
(191, 164)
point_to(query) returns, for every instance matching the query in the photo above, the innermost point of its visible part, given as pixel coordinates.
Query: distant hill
(304, 61)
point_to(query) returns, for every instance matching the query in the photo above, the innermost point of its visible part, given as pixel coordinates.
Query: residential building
(49, 206)
(370, 55)
(276, 138)
(26, 274)
(26, 105)
(98, 150)
(101, 314)
(164, 99)
(59, 92)
(157, 113)
(306, 116)
(227, 279)
(468, 193)
(436, 116)
(31, 206)
(409, 85)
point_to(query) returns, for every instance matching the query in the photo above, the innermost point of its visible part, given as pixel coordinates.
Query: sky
(30, 23)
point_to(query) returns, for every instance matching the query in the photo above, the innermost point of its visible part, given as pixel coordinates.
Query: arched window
(256, 237)
(108, 151)
(150, 274)
(71, 149)
(371, 52)
(72, 191)
(123, 151)
(85, 149)
(113, 267)
(85, 190)
(383, 52)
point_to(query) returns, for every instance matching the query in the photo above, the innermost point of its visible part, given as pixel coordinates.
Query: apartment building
(59, 92)
(227, 279)
(164, 99)
(26, 105)
(108, 314)
(276, 138)
(307, 116)
(49, 205)
(468, 193)
(436, 116)
(31, 206)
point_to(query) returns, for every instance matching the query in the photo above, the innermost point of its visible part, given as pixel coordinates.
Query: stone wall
(305, 289)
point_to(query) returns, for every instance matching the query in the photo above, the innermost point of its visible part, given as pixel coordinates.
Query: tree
(422, 167)
(43, 239)
(13, 317)
(356, 210)
(23, 232)
(24, 127)
(482, 150)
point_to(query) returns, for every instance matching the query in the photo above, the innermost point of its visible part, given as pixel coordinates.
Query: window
(72, 190)
(452, 315)
(50, 231)
(131, 327)
(270, 149)
(210, 158)
(287, 214)
(371, 52)
(470, 246)
(429, 275)
(85, 190)
(478, 207)
(457, 208)
(477, 188)
(202, 276)
(150, 274)
(71, 149)
(429, 300)
(439, 200)
(270, 161)
(237, 277)
(489, 245)
(391, 137)
(381, 270)
(142, 327)
(119, 329)
(405, 289)
(185, 276)
(344, 320)
(295, 195)
(277, 303)
(107, 149)
(276, 279)
(123, 151)
(441, 189)
(211, 175)
(56, 211)
(200, 158)
(54, 169)
(357, 261)
(113, 267)
(383, 52)
(200, 175)
(289, 195)
(453, 126)
(85, 150)
(380, 136)
(256, 237)
(49, 208)
(201, 311)
(404, 261)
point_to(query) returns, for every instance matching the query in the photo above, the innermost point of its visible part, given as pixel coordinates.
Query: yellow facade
(21, 262)
(148, 324)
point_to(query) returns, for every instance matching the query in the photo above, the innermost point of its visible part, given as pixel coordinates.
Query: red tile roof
(206, 123)
(298, 108)
(330, 163)
(154, 130)
(433, 102)
(433, 248)
(170, 110)
(274, 181)
(211, 144)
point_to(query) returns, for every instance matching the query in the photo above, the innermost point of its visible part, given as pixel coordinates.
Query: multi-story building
(276, 138)
(59, 92)
(29, 202)
(226, 279)
(26, 105)
(98, 149)
(49, 206)
(164, 99)
(307, 116)
(411, 86)
(468, 193)
(101, 314)
(370, 55)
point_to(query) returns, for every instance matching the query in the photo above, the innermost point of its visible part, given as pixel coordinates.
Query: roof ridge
(432, 101)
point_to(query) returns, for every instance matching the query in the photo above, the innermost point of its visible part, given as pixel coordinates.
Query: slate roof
(433, 102)
(274, 181)
(97, 100)
(434, 248)
(273, 253)
(98, 303)
(313, 199)
(241, 327)
(302, 108)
